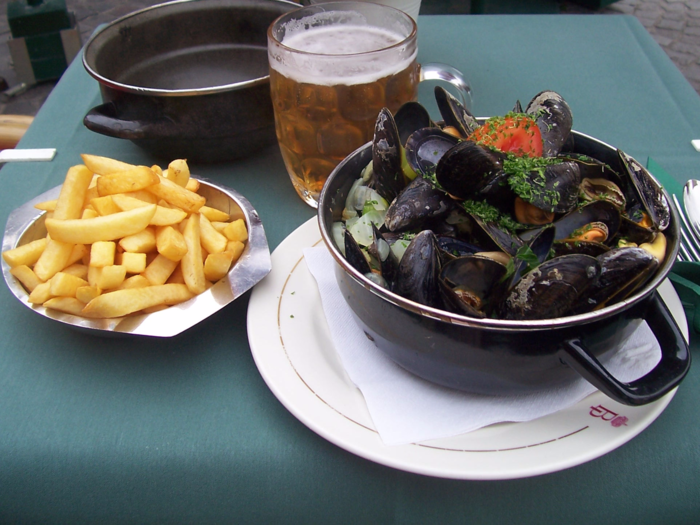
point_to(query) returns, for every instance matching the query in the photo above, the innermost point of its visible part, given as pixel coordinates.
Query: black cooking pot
(187, 79)
(493, 356)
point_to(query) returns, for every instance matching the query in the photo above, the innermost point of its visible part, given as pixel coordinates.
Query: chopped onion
(399, 247)
(361, 228)
(338, 231)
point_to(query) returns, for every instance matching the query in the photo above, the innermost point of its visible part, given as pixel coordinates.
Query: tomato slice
(515, 133)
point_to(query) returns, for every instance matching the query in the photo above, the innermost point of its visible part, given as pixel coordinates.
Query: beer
(326, 99)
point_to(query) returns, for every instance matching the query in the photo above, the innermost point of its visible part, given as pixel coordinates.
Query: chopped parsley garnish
(526, 177)
(525, 254)
(488, 213)
(429, 175)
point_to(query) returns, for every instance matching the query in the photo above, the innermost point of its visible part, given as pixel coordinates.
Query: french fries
(103, 228)
(125, 239)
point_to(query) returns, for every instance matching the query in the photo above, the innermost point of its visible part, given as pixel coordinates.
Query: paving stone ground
(674, 24)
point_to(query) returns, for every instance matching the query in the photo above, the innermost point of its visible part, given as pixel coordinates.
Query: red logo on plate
(619, 421)
(605, 414)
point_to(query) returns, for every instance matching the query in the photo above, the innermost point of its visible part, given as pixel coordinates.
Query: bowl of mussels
(505, 255)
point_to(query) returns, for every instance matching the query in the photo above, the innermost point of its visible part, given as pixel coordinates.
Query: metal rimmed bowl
(494, 356)
(26, 224)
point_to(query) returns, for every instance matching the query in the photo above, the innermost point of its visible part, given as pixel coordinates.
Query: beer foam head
(347, 53)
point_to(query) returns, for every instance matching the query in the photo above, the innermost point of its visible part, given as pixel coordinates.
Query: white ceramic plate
(293, 350)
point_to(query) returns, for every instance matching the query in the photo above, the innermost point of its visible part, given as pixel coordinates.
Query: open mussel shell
(540, 246)
(623, 270)
(635, 232)
(354, 254)
(492, 237)
(472, 285)
(554, 119)
(381, 250)
(572, 225)
(425, 147)
(411, 117)
(550, 290)
(386, 156)
(453, 247)
(599, 188)
(649, 192)
(591, 168)
(454, 114)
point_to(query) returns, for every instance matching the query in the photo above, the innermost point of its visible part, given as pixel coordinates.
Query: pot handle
(105, 119)
(666, 375)
(437, 71)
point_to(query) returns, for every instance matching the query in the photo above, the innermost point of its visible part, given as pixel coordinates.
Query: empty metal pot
(187, 79)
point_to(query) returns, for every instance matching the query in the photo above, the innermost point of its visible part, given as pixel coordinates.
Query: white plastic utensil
(27, 155)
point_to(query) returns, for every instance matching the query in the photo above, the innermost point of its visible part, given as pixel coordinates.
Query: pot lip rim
(503, 325)
(138, 90)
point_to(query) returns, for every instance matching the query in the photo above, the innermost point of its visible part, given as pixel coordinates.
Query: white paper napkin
(408, 409)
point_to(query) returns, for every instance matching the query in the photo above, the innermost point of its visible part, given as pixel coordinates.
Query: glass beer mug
(333, 67)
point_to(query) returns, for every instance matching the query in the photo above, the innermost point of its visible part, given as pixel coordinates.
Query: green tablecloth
(185, 430)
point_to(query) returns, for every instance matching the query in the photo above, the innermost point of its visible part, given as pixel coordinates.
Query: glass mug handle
(437, 71)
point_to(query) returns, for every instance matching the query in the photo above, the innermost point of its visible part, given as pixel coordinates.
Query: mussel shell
(417, 278)
(634, 232)
(416, 203)
(491, 236)
(453, 247)
(554, 119)
(478, 278)
(601, 188)
(425, 147)
(597, 211)
(411, 117)
(386, 156)
(354, 254)
(623, 270)
(592, 248)
(650, 194)
(381, 250)
(497, 192)
(563, 179)
(591, 168)
(466, 168)
(454, 113)
(540, 246)
(552, 289)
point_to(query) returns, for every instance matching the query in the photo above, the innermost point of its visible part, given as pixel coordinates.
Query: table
(116, 430)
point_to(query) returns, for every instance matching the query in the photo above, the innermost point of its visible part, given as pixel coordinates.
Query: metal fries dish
(26, 224)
